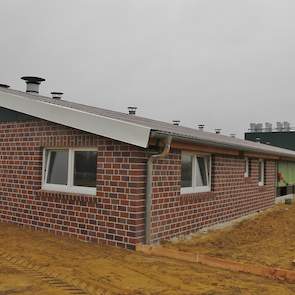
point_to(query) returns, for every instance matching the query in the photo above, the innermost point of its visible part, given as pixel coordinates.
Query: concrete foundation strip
(259, 270)
(69, 284)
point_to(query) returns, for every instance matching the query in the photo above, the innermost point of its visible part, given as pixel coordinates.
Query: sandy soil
(114, 270)
(14, 281)
(268, 238)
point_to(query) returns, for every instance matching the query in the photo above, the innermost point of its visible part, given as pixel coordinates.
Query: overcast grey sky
(221, 63)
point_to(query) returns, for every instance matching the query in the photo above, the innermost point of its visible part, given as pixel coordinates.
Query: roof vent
(4, 86)
(268, 127)
(132, 110)
(279, 126)
(286, 126)
(201, 127)
(217, 130)
(252, 127)
(259, 127)
(32, 83)
(56, 95)
(176, 122)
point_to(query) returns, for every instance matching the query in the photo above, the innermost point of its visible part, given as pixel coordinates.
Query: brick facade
(115, 216)
(232, 195)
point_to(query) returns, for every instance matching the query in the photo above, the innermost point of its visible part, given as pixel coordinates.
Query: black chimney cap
(32, 79)
(4, 86)
(56, 92)
(132, 110)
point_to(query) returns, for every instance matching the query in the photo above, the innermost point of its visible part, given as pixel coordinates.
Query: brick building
(121, 179)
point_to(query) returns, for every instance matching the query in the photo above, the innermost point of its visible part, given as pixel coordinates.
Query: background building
(283, 135)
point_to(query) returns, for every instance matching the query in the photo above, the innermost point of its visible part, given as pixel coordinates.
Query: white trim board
(111, 128)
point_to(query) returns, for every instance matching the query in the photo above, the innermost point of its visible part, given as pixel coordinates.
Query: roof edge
(104, 126)
(282, 153)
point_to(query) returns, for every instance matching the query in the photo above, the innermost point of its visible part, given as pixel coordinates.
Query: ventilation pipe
(32, 84)
(176, 122)
(201, 127)
(132, 110)
(217, 130)
(56, 95)
(149, 186)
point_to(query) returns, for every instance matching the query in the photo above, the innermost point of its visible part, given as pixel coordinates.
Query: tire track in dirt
(168, 286)
(71, 285)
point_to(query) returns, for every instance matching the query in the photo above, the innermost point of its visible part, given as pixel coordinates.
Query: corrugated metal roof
(159, 127)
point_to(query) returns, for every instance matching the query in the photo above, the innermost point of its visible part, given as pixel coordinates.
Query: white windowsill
(192, 190)
(67, 189)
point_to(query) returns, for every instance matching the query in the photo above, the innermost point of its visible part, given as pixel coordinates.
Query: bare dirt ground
(111, 270)
(268, 239)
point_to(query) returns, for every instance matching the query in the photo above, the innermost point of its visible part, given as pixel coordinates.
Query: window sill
(65, 196)
(195, 190)
(69, 189)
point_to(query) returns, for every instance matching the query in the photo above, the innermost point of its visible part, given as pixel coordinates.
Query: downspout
(149, 186)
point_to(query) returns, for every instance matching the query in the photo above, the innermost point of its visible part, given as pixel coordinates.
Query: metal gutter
(282, 153)
(149, 185)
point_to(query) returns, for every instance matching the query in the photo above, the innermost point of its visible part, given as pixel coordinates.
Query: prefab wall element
(114, 216)
(232, 195)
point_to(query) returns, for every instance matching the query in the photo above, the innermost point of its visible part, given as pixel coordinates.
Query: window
(195, 173)
(247, 167)
(261, 172)
(70, 170)
(186, 170)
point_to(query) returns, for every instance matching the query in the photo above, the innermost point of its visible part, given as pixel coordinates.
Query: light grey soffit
(46, 108)
(140, 139)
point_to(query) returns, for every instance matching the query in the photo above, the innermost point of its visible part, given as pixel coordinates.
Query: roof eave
(160, 134)
(104, 126)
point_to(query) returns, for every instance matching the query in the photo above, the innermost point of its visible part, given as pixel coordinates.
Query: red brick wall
(114, 216)
(232, 195)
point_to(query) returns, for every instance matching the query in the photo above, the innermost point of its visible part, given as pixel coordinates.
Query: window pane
(202, 171)
(57, 167)
(186, 170)
(85, 168)
(259, 171)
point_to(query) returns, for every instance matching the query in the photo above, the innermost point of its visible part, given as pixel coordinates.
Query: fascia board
(108, 127)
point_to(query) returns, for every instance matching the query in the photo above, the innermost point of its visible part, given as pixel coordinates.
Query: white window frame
(247, 164)
(70, 187)
(262, 167)
(194, 188)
